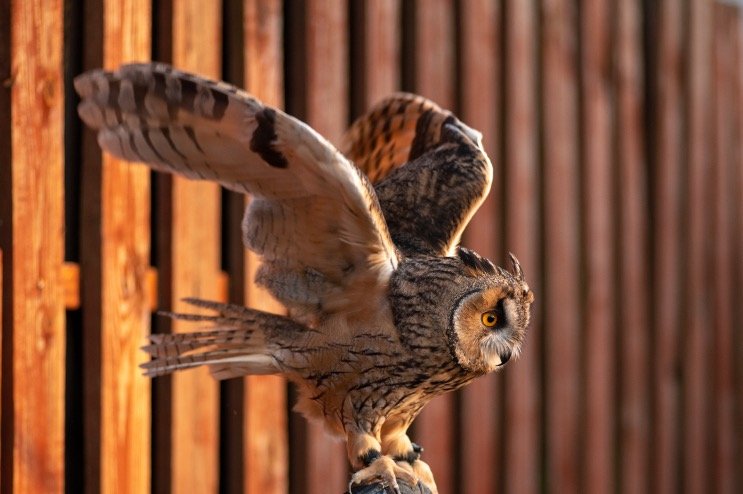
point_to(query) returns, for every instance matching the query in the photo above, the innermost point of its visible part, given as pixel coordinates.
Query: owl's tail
(240, 342)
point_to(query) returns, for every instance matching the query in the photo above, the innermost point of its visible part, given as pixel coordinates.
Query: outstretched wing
(430, 171)
(315, 219)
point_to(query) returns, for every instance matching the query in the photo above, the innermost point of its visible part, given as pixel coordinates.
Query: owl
(385, 309)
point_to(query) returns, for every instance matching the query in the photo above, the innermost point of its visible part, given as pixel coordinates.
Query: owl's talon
(385, 470)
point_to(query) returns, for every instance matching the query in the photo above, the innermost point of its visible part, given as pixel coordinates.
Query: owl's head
(488, 322)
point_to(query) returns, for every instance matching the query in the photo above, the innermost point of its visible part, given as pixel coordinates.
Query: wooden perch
(379, 488)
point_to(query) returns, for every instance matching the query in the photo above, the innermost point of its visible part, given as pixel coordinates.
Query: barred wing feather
(315, 218)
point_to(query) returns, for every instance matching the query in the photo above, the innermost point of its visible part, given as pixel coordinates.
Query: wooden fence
(616, 131)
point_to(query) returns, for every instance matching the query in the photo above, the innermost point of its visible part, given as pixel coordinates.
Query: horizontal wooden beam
(71, 283)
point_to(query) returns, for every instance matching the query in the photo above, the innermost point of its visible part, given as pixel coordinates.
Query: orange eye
(489, 319)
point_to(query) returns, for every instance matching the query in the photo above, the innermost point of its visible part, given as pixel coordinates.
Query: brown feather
(304, 188)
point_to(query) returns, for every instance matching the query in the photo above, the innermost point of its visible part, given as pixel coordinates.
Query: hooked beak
(504, 357)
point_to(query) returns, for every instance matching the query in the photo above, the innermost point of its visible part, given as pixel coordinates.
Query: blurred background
(615, 128)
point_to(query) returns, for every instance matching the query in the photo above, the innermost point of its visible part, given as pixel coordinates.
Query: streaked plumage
(385, 310)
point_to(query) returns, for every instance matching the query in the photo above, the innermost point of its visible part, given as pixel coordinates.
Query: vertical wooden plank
(633, 267)
(725, 21)
(327, 112)
(327, 61)
(115, 258)
(522, 470)
(190, 263)
(562, 305)
(266, 447)
(434, 50)
(381, 49)
(481, 405)
(599, 228)
(6, 244)
(666, 251)
(33, 243)
(434, 56)
(737, 228)
(738, 247)
(697, 295)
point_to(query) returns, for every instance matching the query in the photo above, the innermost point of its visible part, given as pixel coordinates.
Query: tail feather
(170, 345)
(241, 342)
(246, 360)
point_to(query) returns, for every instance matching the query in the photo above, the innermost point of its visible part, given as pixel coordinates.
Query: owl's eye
(489, 319)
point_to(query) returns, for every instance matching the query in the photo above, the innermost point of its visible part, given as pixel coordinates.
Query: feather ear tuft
(517, 271)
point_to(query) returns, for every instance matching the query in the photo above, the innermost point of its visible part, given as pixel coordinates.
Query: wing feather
(429, 169)
(314, 211)
(392, 133)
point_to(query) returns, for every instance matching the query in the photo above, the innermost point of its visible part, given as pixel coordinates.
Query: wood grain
(71, 282)
(562, 275)
(481, 404)
(266, 443)
(6, 243)
(737, 243)
(327, 66)
(634, 279)
(723, 451)
(433, 61)
(113, 277)
(696, 346)
(615, 131)
(34, 336)
(327, 112)
(599, 246)
(666, 137)
(434, 51)
(189, 257)
(523, 429)
(381, 27)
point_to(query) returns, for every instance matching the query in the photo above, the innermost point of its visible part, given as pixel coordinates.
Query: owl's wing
(429, 169)
(392, 132)
(315, 219)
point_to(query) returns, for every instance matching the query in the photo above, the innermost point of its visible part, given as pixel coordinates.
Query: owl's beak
(504, 357)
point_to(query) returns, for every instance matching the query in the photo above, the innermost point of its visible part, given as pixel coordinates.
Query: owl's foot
(421, 470)
(384, 470)
(424, 474)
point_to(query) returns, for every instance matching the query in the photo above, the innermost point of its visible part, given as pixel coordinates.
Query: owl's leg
(402, 449)
(365, 454)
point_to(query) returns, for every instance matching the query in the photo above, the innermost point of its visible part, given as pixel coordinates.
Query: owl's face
(489, 321)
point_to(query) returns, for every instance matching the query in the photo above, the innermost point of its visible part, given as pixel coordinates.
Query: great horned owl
(385, 309)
